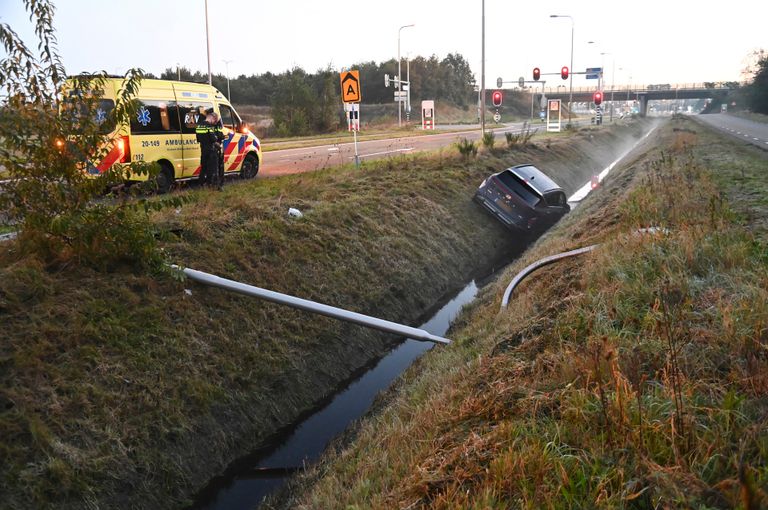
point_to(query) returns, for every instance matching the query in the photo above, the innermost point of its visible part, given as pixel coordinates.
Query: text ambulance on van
(163, 130)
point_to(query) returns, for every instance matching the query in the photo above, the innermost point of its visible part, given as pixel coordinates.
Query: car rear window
(520, 187)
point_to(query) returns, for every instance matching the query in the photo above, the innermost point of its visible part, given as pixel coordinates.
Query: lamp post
(208, 44)
(613, 75)
(570, 93)
(482, 74)
(408, 95)
(399, 78)
(226, 63)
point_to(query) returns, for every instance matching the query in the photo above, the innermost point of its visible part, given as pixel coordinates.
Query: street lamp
(570, 94)
(399, 78)
(226, 63)
(208, 44)
(600, 82)
(613, 75)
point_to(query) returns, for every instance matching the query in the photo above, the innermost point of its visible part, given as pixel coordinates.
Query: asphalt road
(289, 161)
(755, 133)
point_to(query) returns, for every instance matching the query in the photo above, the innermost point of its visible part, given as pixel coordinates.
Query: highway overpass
(640, 93)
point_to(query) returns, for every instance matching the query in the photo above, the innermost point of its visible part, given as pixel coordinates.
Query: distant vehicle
(523, 198)
(163, 131)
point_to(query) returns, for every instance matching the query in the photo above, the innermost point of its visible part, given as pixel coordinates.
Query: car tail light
(124, 145)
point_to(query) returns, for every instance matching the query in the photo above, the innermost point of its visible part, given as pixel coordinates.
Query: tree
(757, 93)
(459, 80)
(52, 129)
(292, 104)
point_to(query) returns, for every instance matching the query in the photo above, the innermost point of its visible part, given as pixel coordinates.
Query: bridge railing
(634, 88)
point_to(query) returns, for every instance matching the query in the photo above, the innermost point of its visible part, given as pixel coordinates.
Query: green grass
(757, 117)
(632, 378)
(123, 389)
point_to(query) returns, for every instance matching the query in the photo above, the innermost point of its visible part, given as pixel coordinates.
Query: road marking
(383, 152)
(333, 149)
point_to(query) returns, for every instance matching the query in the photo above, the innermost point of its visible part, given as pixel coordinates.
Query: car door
(555, 205)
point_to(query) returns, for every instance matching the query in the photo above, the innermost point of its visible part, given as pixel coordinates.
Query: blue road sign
(594, 69)
(593, 76)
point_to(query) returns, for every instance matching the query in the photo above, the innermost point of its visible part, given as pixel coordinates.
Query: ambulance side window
(190, 115)
(155, 117)
(227, 117)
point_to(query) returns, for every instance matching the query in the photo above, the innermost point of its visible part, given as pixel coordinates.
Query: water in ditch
(252, 478)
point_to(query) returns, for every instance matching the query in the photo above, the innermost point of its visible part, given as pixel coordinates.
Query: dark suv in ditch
(523, 198)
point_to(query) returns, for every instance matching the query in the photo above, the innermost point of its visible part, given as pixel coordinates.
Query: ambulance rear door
(235, 142)
(191, 103)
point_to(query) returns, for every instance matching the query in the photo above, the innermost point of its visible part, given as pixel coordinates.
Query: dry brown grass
(632, 378)
(120, 389)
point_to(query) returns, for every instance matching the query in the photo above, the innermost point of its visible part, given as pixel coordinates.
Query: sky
(637, 41)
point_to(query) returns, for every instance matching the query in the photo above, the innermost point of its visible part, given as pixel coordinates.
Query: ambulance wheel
(164, 179)
(250, 167)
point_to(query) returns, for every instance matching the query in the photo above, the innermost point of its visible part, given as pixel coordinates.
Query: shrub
(466, 148)
(488, 140)
(521, 138)
(52, 131)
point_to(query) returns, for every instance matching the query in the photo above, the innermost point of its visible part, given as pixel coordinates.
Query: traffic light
(564, 73)
(597, 98)
(496, 97)
(536, 73)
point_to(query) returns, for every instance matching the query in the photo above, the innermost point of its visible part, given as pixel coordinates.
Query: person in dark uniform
(217, 134)
(204, 136)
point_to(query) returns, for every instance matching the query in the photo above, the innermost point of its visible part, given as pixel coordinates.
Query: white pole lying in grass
(311, 306)
(536, 265)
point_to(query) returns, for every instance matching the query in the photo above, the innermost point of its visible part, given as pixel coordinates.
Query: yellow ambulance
(162, 130)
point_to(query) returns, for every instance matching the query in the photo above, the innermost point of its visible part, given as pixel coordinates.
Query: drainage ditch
(250, 479)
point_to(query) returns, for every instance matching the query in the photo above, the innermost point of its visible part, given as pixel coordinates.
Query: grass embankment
(757, 117)
(632, 377)
(125, 390)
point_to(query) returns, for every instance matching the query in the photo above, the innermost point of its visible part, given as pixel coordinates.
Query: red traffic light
(496, 97)
(564, 73)
(597, 98)
(536, 73)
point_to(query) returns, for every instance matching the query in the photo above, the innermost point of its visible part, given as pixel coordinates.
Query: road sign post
(428, 114)
(351, 95)
(350, 86)
(554, 114)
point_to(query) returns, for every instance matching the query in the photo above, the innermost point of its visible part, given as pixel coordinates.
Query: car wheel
(250, 167)
(164, 179)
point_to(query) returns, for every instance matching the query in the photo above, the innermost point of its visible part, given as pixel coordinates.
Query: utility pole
(226, 63)
(400, 78)
(482, 75)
